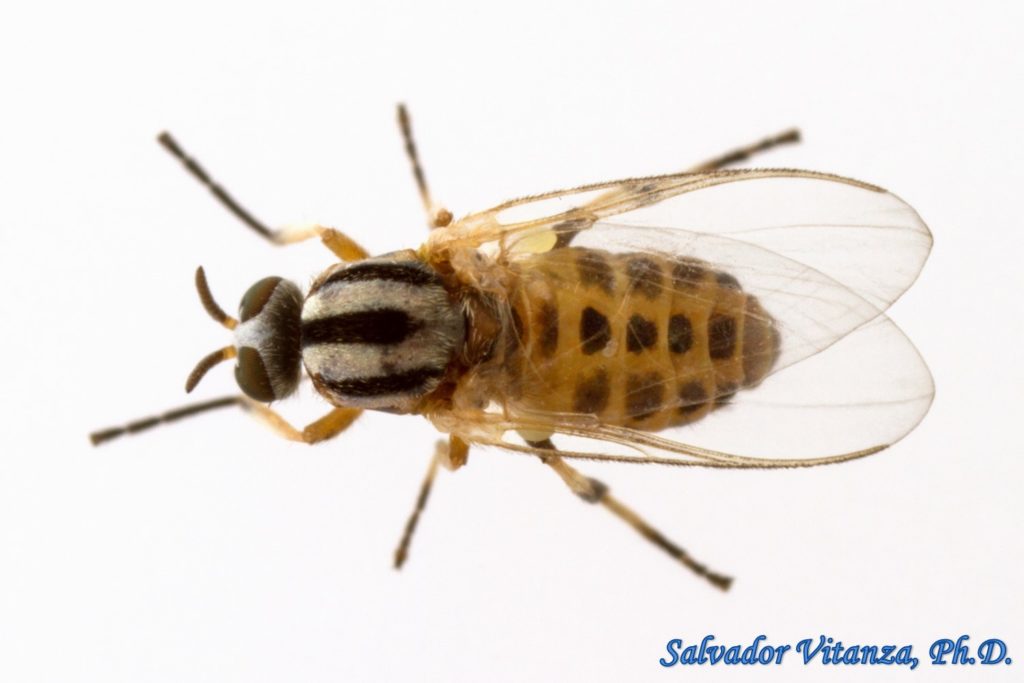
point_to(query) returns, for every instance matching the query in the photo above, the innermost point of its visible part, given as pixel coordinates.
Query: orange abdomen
(639, 340)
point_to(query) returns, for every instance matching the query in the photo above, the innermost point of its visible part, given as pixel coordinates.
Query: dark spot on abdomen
(687, 274)
(692, 396)
(645, 276)
(645, 394)
(680, 334)
(721, 336)
(641, 334)
(727, 281)
(595, 332)
(595, 271)
(726, 392)
(591, 395)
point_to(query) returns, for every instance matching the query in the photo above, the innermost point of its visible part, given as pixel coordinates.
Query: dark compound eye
(256, 298)
(251, 375)
(267, 339)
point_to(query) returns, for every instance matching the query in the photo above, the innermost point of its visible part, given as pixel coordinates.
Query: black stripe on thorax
(410, 381)
(376, 326)
(407, 272)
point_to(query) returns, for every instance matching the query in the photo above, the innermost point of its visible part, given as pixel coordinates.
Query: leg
(437, 217)
(570, 228)
(341, 245)
(452, 455)
(174, 415)
(593, 491)
(327, 427)
(743, 153)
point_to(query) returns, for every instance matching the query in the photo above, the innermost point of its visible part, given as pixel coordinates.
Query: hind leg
(593, 491)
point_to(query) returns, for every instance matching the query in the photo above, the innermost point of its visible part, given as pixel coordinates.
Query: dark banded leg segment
(437, 216)
(342, 246)
(452, 455)
(327, 427)
(567, 230)
(744, 153)
(173, 415)
(593, 491)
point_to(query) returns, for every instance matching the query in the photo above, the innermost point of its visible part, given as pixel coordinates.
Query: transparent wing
(855, 233)
(810, 310)
(863, 394)
(825, 257)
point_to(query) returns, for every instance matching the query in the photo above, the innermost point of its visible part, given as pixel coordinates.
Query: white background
(212, 551)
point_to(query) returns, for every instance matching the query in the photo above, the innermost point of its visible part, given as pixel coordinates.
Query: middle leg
(452, 454)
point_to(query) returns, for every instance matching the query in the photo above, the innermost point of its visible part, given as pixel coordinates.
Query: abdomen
(639, 340)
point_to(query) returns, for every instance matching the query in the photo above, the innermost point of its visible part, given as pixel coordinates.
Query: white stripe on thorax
(419, 301)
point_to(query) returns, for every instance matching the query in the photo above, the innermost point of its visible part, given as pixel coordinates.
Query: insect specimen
(618, 319)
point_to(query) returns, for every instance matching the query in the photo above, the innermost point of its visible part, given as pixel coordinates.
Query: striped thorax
(380, 333)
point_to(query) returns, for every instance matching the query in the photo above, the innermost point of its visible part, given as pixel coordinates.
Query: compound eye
(252, 377)
(268, 340)
(256, 297)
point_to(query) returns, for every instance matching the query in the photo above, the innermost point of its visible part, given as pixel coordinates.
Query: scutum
(375, 326)
(409, 273)
(406, 382)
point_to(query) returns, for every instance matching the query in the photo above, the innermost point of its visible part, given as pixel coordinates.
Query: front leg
(343, 246)
(327, 427)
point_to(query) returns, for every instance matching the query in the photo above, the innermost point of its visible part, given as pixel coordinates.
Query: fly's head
(268, 341)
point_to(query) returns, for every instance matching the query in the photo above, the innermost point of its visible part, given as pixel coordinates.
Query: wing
(855, 233)
(863, 394)
(825, 256)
